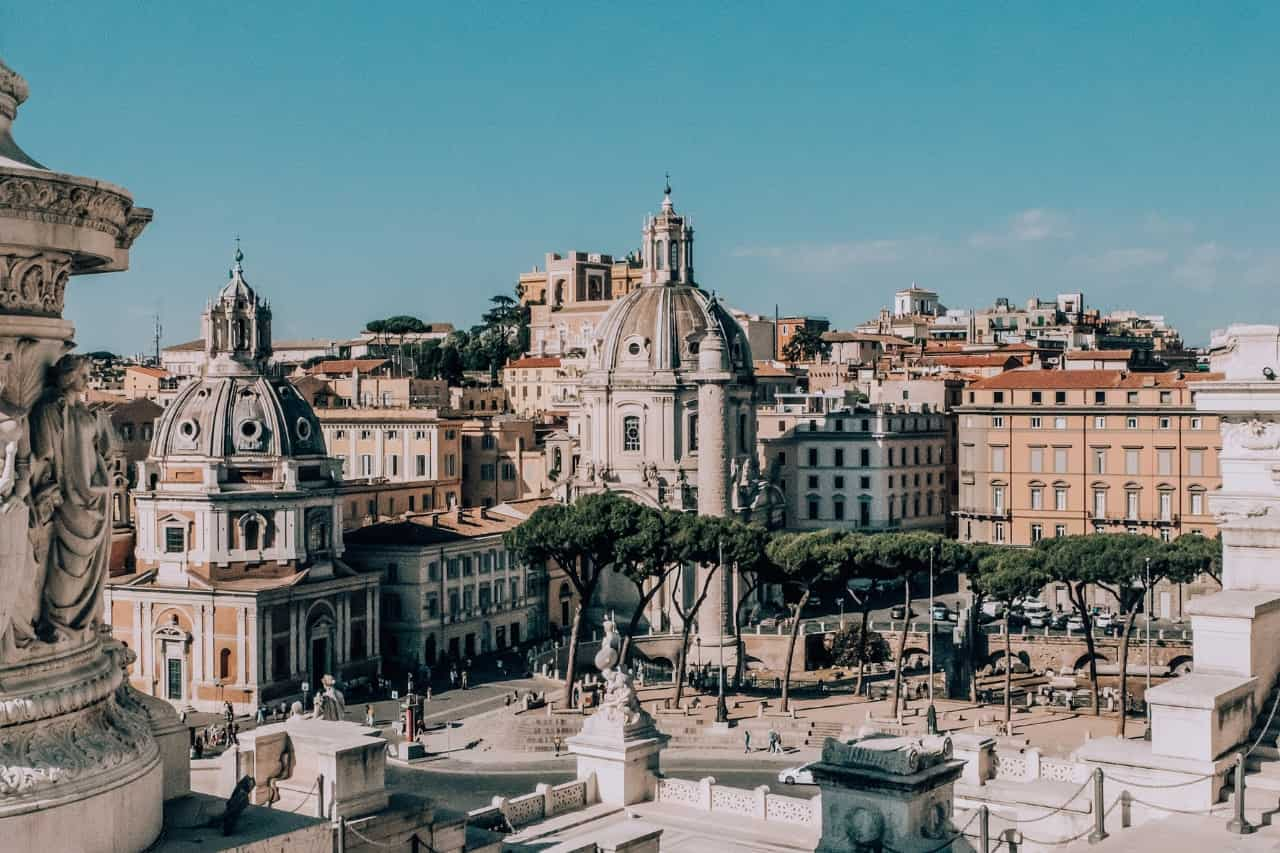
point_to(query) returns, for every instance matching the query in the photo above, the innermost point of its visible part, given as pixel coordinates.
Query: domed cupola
(237, 326)
(660, 325)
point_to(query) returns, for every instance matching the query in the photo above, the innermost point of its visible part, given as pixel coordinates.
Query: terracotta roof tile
(535, 361)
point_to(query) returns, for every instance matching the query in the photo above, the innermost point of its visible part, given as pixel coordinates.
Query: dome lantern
(237, 326)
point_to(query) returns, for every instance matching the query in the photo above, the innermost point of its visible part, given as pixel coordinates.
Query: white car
(1104, 619)
(1038, 619)
(793, 775)
(1075, 623)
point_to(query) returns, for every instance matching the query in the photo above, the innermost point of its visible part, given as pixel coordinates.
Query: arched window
(252, 530)
(631, 433)
(675, 259)
(224, 664)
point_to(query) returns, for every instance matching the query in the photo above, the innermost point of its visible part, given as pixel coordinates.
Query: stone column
(713, 497)
(63, 681)
(268, 650)
(253, 640)
(293, 639)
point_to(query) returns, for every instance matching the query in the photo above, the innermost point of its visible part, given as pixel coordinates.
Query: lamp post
(1150, 604)
(932, 710)
(722, 709)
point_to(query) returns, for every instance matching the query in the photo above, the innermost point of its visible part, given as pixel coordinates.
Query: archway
(321, 631)
(1082, 662)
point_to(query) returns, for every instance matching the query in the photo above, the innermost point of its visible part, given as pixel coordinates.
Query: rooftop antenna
(158, 331)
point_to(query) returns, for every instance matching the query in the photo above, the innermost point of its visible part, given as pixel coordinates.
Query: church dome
(238, 416)
(661, 327)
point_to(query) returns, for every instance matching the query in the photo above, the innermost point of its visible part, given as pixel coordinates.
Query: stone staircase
(1262, 769)
(819, 731)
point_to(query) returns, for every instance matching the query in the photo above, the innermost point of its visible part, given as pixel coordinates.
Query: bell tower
(668, 245)
(237, 326)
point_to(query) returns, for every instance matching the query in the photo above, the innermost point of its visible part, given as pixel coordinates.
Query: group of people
(774, 745)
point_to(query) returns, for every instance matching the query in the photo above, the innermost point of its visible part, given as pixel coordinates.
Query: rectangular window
(1130, 505)
(1060, 397)
(1099, 460)
(1037, 497)
(1100, 422)
(997, 421)
(864, 482)
(839, 457)
(864, 457)
(1059, 530)
(1166, 396)
(420, 465)
(1166, 506)
(631, 434)
(1197, 503)
(1130, 423)
(890, 457)
(1099, 398)
(486, 472)
(1166, 423)
(175, 540)
(997, 459)
(838, 507)
(1099, 503)
(450, 465)
(1197, 423)
(813, 457)
(1164, 461)
(508, 471)
(813, 481)
(813, 509)
(1037, 532)
(997, 499)
(1036, 398)
(1131, 397)
(1060, 460)
(366, 465)
(1060, 498)
(1036, 422)
(1131, 455)
(393, 466)
(839, 482)
(1037, 460)
(1059, 423)
(999, 532)
(997, 396)
(1195, 463)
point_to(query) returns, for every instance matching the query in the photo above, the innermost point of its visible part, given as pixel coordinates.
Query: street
(462, 786)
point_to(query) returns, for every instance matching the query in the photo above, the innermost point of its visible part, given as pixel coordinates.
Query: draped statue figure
(70, 502)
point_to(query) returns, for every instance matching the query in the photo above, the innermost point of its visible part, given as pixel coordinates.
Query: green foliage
(805, 345)
(1010, 574)
(850, 647)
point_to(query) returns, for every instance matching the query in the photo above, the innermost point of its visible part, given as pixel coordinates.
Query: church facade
(239, 592)
(667, 414)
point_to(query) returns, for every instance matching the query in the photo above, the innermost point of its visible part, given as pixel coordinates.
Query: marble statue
(620, 703)
(70, 501)
(330, 704)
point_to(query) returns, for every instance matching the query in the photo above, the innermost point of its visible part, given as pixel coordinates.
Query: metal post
(1240, 824)
(342, 835)
(1012, 838)
(1126, 810)
(1099, 813)
(320, 796)
(1151, 601)
(984, 829)
(931, 627)
(722, 710)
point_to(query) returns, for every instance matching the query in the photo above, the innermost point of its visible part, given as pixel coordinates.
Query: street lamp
(722, 709)
(933, 713)
(1150, 605)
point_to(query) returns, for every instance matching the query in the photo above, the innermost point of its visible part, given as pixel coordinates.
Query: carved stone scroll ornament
(1253, 436)
(896, 756)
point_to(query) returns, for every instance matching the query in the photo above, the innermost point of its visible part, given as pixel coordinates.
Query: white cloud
(1127, 260)
(833, 257)
(1162, 225)
(1028, 226)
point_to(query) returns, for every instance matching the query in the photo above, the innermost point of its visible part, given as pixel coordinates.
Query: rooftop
(346, 365)
(190, 346)
(435, 528)
(1034, 377)
(157, 372)
(535, 361)
(1100, 355)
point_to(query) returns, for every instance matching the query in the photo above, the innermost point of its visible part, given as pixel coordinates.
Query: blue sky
(414, 158)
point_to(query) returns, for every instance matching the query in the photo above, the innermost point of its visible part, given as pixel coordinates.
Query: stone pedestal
(1203, 715)
(79, 765)
(893, 792)
(625, 759)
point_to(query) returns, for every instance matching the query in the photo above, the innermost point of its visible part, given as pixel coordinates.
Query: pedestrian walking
(746, 741)
(453, 676)
(409, 686)
(228, 711)
(262, 714)
(368, 715)
(232, 731)
(465, 679)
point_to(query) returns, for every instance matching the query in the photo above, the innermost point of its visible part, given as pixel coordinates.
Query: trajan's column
(79, 766)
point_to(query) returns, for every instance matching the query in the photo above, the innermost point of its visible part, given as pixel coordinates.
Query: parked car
(1104, 619)
(1059, 621)
(797, 775)
(1039, 619)
(1075, 623)
(992, 609)
(899, 611)
(941, 612)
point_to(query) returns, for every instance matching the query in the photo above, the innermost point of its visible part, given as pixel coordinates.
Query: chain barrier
(1209, 811)
(1061, 808)
(366, 839)
(1076, 837)
(1199, 778)
(944, 845)
(305, 797)
(1270, 717)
